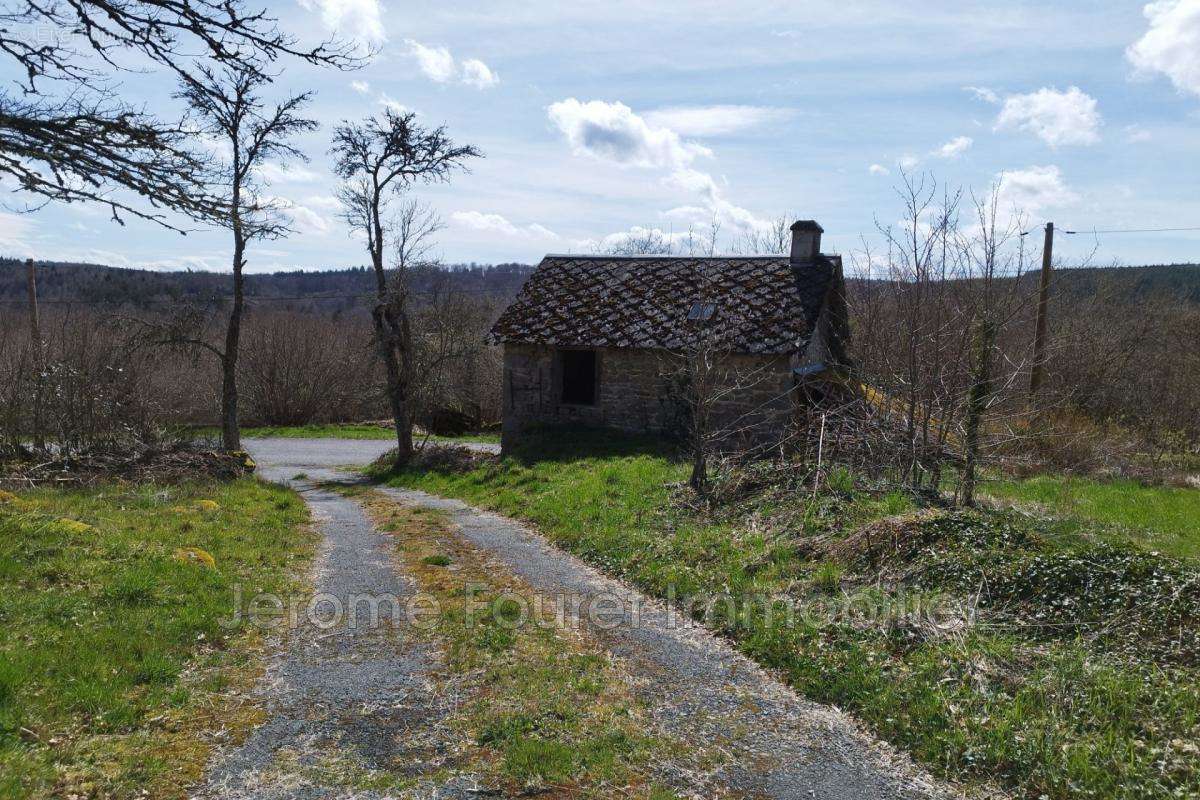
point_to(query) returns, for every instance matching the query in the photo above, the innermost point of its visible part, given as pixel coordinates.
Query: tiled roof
(762, 304)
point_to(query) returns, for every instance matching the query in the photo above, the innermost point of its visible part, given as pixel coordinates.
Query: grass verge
(1064, 668)
(1162, 518)
(330, 431)
(543, 709)
(115, 667)
(344, 431)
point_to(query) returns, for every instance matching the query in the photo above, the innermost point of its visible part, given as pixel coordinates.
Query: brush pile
(165, 463)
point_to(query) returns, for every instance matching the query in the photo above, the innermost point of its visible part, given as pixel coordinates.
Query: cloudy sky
(599, 118)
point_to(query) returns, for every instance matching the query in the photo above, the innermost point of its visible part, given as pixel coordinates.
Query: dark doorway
(578, 377)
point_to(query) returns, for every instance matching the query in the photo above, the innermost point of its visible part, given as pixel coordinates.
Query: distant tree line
(144, 288)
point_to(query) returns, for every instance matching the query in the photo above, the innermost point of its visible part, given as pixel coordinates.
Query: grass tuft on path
(1057, 666)
(114, 661)
(545, 709)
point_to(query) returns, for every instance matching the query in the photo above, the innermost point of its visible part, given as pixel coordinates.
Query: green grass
(331, 431)
(477, 438)
(114, 657)
(1161, 518)
(345, 430)
(1107, 705)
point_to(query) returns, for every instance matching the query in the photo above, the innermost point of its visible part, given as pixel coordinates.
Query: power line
(1135, 230)
(1119, 230)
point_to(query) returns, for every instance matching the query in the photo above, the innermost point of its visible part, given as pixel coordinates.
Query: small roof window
(701, 311)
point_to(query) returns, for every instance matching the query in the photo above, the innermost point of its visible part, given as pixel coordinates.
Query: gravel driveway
(343, 703)
(697, 687)
(362, 693)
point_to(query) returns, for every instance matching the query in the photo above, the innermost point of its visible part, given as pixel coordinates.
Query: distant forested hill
(327, 290)
(1181, 281)
(342, 289)
(1136, 284)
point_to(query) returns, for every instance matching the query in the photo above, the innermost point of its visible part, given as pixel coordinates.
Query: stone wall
(635, 394)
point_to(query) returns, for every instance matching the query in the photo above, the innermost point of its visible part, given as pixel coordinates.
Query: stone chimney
(806, 241)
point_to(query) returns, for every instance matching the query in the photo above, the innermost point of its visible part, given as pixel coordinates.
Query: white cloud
(621, 239)
(1136, 133)
(1034, 190)
(278, 173)
(324, 201)
(908, 162)
(611, 131)
(983, 93)
(694, 214)
(541, 230)
(878, 169)
(438, 64)
(714, 200)
(14, 232)
(1172, 43)
(305, 220)
(302, 219)
(955, 147)
(362, 87)
(361, 19)
(494, 222)
(714, 120)
(476, 73)
(393, 105)
(1057, 118)
(435, 62)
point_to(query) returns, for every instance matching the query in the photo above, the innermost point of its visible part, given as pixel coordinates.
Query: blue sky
(597, 118)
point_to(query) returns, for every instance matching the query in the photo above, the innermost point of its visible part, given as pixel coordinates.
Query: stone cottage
(591, 340)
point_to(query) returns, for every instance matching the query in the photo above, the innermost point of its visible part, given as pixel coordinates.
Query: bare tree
(230, 107)
(702, 242)
(717, 391)
(88, 387)
(69, 137)
(978, 395)
(908, 327)
(300, 368)
(704, 373)
(775, 239)
(987, 257)
(937, 346)
(640, 242)
(376, 160)
(447, 326)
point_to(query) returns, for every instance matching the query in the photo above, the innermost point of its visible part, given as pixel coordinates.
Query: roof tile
(763, 304)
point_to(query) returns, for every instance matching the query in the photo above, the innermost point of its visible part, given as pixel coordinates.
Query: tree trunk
(397, 392)
(977, 400)
(699, 479)
(391, 332)
(231, 438)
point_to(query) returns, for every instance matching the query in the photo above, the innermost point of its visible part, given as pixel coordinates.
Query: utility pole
(1039, 334)
(31, 279)
(39, 354)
